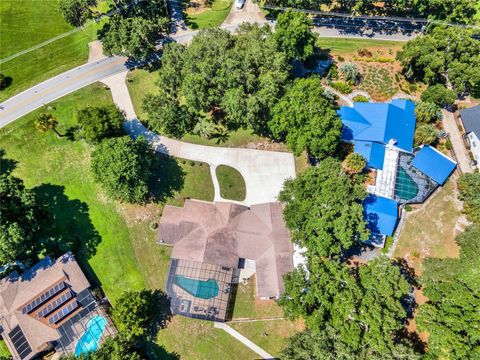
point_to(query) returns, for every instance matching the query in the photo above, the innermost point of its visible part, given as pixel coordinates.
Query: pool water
(203, 289)
(91, 337)
(405, 188)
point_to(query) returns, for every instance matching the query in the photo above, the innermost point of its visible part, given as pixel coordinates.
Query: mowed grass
(342, 46)
(232, 185)
(430, 231)
(4, 350)
(270, 335)
(79, 205)
(209, 17)
(26, 23)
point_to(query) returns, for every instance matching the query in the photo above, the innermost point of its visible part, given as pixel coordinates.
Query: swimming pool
(203, 289)
(91, 337)
(405, 188)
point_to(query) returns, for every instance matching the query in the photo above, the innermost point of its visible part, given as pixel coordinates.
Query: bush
(425, 134)
(427, 112)
(124, 167)
(360, 98)
(365, 53)
(344, 88)
(469, 188)
(354, 163)
(408, 208)
(341, 59)
(440, 95)
(350, 72)
(448, 145)
(333, 72)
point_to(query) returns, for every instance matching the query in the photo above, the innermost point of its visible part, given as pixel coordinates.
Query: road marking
(63, 84)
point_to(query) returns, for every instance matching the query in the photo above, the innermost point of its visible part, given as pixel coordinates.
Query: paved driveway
(461, 153)
(264, 172)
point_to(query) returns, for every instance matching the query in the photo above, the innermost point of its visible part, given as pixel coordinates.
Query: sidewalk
(461, 152)
(244, 340)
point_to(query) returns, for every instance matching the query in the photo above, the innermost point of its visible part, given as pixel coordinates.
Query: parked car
(239, 4)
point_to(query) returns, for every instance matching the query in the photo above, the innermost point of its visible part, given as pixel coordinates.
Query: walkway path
(244, 340)
(264, 172)
(461, 153)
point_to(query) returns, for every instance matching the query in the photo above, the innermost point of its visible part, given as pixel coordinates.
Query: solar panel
(63, 312)
(55, 304)
(20, 342)
(44, 297)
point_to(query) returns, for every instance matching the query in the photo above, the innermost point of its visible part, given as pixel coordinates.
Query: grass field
(26, 23)
(430, 231)
(342, 46)
(4, 350)
(232, 185)
(208, 17)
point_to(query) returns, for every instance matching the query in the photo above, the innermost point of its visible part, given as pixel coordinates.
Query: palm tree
(221, 134)
(46, 122)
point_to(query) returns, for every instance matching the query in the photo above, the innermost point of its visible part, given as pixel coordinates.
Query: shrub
(341, 59)
(350, 72)
(440, 95)
(344, 88)
(365, 53)
(425, 134)
(354, 163)
(360, 98)
(408, 208)
(427, 112)
(332, 72)
(448, 145)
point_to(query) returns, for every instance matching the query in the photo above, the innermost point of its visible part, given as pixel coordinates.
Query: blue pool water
(90, 338)
(203, 289)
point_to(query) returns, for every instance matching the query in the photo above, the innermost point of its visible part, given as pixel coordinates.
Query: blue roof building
(434, 164)
(370, 126)
(381, 215)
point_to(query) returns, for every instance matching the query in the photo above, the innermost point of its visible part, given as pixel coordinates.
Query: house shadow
(70, 228)
(169, 179)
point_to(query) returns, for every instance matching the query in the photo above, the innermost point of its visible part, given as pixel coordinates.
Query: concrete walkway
(244, 340)
(461, 153)
(264, 172)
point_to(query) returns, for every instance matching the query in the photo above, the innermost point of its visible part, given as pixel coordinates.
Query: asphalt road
(81, 76)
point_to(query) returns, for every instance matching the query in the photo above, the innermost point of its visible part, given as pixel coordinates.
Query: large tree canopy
(97, 123)
(124, 167)
(294, 36)
(451, 315)
(447, 54)
(233, 79)
(323, 209)
(76, 12)
(306, 119)
(19, 214)
(358, 309)
(134, 31)
(469, 188)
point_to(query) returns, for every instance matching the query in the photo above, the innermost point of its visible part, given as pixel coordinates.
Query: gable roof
(471, 119)
(433, 163)
(220, 233)
(381, 214)
(372, 151)
(380, 122)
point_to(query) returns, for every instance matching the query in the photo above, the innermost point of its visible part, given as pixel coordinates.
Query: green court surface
(199, 288)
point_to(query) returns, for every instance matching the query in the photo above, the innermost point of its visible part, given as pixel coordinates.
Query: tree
(358, 309)
(46, 122)
(112, 348)
(323, 209)
(439, 95)
(427, 112)
(469, 189)
(446, 54)
(4, 81)
(124, 167)
(167, 116)
(350, 72)
(452, 287)
(76, 12)
(306, 119)
(294, 36)
(425, 134)
(98, 123)
(134, 31)
(20, 214)
(134, 313)
(234, 80)
(355, 163)
(461, 11)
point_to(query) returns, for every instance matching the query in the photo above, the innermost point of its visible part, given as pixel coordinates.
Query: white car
(239, 4)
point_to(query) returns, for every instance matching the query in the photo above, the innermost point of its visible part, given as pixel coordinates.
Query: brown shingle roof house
(48, 306)
(224, 233)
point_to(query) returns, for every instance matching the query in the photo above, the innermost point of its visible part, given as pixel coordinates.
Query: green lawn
(339, 45)
(210, 17)
(232, 185)
(26, 23)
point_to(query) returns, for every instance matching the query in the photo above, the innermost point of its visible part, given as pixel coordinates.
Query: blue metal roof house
(381, 215)
(370, 126)
(433, 163)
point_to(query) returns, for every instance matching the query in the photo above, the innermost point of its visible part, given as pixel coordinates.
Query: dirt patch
(266, 145)
(134, 214)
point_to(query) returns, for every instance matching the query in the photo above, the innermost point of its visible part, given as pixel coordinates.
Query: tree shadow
(6, 165)
(70, 229)
(408, 272)
(163, 312)
(169, 179)
(155, 351)
(7, 81)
